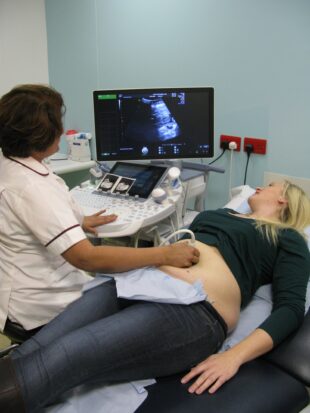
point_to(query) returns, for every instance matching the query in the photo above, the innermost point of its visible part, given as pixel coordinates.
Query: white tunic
(38, 222)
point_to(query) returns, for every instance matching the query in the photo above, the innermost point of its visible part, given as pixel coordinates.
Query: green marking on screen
(107, 97)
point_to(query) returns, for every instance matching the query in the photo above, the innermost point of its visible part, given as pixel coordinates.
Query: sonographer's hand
(90, 222)
(181, 254)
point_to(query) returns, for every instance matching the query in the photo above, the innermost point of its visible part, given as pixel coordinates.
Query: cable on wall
(224, 149)
(232, 147)
(249, 150)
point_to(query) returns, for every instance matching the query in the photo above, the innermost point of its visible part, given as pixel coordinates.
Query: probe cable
(180, 231)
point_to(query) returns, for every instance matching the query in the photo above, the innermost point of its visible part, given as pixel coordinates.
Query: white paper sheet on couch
(116, 398)
(254, 314)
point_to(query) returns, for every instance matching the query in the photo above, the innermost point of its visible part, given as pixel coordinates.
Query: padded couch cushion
(293, 355)
(258, 387)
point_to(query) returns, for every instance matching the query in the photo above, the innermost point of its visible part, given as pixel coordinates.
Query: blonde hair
(295, 214)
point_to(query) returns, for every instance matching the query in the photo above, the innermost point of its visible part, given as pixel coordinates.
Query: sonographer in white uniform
(43, 247)
(32, 267)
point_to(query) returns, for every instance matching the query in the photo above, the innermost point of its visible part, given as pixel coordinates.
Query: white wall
(23, 43)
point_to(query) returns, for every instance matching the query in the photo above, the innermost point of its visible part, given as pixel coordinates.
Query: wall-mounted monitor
(168, 123)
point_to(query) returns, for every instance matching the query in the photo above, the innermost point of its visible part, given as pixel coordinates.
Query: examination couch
(275, 383)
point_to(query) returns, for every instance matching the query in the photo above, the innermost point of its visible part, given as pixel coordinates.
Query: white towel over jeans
(151, 284)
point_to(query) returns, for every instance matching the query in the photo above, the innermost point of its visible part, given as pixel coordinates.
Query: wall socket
(259, 145)
(228, 138)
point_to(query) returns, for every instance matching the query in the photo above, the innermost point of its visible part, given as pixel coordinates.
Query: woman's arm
(87, 257)
(219, 368)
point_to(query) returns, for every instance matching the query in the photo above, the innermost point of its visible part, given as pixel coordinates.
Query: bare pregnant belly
(218, 281)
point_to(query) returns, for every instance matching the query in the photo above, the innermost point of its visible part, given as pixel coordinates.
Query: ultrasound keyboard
(132, 214)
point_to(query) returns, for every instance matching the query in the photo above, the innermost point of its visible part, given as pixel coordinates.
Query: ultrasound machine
(147, 132)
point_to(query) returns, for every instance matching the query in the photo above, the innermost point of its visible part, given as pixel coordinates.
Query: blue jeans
(102, 337)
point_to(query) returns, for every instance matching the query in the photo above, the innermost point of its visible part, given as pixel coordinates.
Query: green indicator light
(106, 97)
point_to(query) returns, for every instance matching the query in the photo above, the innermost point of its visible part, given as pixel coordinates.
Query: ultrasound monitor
(138, 124)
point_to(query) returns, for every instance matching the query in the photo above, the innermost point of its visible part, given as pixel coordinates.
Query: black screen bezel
(131, 156)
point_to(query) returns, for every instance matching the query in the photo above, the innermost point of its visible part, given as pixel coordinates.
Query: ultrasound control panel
(132, 213)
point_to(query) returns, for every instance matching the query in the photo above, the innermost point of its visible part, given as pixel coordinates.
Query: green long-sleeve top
(254, 261)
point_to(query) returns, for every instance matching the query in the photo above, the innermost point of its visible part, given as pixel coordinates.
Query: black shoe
(11, 400)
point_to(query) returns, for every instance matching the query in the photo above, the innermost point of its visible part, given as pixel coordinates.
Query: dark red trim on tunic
(26, 166)
(59, 235)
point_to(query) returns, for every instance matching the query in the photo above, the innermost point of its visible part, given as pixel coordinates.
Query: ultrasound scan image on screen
(154, 123)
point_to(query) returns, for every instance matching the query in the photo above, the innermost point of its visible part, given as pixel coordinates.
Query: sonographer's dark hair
(30, 119)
